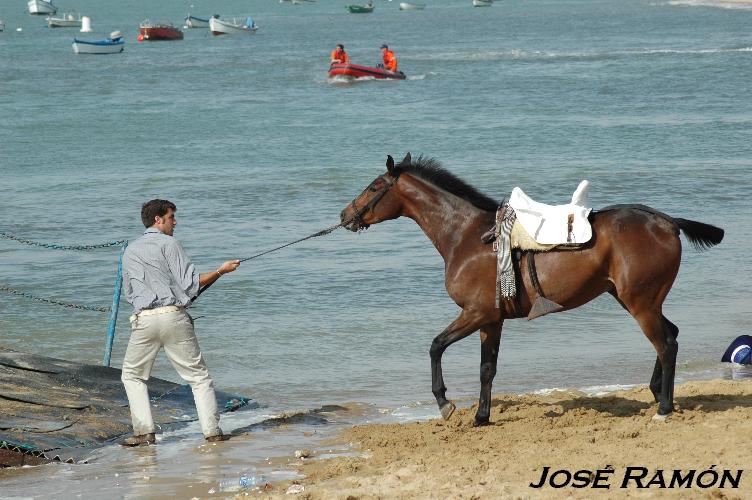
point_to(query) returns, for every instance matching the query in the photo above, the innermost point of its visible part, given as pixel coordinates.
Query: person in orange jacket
(339, 55)
(390, 60)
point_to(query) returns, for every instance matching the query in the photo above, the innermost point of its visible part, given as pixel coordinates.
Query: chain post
(114, 309)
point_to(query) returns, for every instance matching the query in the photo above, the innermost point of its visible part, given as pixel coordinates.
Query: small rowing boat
(360, 9)
(197, 22)
(231, 26)
(64, 21)
(112, 45)
(40, 7)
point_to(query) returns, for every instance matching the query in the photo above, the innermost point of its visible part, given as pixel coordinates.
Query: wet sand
(563, 430)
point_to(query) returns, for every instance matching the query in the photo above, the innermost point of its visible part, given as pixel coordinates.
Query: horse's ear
(407, 160)
(389, 164)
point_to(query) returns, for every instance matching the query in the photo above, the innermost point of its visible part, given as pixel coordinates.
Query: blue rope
(56, 246)
(27, 295)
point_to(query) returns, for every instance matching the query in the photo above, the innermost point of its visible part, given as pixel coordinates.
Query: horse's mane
(431, 170)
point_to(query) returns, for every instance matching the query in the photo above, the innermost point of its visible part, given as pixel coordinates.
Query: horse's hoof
(447, 410)
(660, 418)
(481, 422)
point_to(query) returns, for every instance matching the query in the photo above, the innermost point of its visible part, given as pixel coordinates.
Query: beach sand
(563, 430)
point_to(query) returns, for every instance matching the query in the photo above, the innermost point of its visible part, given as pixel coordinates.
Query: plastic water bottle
(247, 480)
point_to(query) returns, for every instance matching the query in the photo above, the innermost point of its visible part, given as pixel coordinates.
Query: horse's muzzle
(354, 224)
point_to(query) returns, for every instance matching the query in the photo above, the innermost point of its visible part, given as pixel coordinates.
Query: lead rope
(323, 232)
(357, 215)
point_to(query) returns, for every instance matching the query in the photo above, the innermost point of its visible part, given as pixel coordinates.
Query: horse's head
(377, 202)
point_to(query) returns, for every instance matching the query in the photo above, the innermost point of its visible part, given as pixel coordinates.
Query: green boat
(361, 9)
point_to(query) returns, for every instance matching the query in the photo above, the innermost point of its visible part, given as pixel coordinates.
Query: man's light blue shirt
(157, 272)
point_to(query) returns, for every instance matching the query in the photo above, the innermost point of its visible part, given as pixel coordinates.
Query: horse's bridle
(359, 213)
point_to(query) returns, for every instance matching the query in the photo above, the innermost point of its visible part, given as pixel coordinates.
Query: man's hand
(229, 266)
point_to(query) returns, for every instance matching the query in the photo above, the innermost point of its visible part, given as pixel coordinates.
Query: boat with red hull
(357, 71)
(158, 31)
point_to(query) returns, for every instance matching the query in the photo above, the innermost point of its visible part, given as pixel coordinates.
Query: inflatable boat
(356, 71)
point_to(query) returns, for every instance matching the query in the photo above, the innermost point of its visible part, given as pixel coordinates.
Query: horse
(634, 255)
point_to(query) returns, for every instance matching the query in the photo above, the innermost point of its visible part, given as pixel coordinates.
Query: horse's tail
(701, 235)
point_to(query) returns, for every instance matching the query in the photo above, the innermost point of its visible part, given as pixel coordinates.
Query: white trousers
(174, 331)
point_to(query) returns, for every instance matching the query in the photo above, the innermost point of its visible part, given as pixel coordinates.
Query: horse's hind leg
(670, 330)
(663, 339)
(490, 337)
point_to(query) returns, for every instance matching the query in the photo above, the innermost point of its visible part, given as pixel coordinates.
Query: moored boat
(230, 26)
(41, 7)
(412, 6)
(112, 45)
(64, 21)
(356, 71)
(197, 22)
(158, 31)
(361, 9)
(2, 25)
(482, 3)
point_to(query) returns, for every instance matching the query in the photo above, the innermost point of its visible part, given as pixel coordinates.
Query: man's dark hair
(155, 208)
(340, 46)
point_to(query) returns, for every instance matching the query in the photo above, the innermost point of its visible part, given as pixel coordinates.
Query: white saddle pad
(549, 224)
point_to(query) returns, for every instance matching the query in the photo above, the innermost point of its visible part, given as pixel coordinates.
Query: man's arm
(210, 277)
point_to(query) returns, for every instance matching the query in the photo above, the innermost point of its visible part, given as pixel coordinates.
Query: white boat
(64, 21)
(112, 45)
(229, 26)
(2, 25)
(412, 6)
(197, 22)
(41, 7)
(482, 3)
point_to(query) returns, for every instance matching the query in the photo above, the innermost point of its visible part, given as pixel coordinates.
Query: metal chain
(57, 246)
(27, 295)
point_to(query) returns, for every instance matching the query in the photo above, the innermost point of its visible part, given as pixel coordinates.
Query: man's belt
(156, 310)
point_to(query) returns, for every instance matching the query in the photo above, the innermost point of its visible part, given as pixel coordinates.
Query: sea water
(648, 100)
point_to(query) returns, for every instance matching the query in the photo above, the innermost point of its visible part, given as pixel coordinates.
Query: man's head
(340, 47)
(385, 47)
(159, 214)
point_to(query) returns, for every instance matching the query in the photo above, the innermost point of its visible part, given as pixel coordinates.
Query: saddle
(554, 224)
(524, 224)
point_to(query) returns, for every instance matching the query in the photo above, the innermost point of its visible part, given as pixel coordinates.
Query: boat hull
(40, 7)
(98, 46)
(226, 27)
(412, 6)
(482, 3)
(158, 32)
(357, 71)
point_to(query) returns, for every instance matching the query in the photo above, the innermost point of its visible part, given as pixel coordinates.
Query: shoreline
(564, 430)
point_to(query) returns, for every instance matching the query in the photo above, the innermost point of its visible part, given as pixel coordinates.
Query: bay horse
(634, 254)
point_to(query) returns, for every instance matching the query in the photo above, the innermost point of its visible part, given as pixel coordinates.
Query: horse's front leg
(490, 337)
(460, 328)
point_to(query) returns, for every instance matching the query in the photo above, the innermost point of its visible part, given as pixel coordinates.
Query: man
(159, 282)
(339, 55)
(390, 60)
